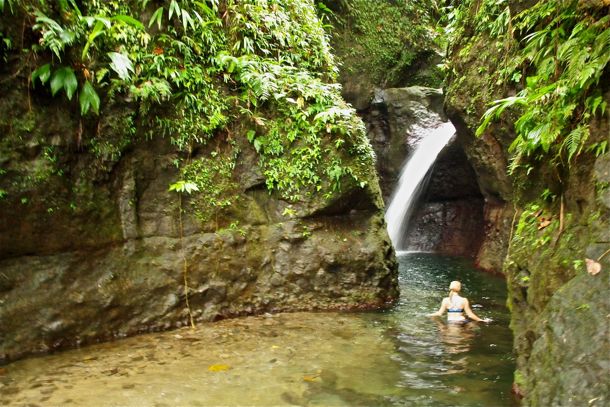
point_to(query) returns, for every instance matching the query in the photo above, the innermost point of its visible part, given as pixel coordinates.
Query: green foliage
(64, 78)
(197, 71)
(89, 98)
(72, 29)
(213, 177)
(384, 38)
(184, 187)
(565, 52)
(296, 146)
(532, 230)
(492, 16)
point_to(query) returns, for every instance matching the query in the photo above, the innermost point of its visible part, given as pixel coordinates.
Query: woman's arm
(469, 312)
(441, 310)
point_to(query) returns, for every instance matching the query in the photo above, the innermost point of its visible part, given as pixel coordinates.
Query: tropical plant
(565, 53)
(383, 39)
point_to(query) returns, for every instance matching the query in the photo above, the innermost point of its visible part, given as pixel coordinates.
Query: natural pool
(397, 357)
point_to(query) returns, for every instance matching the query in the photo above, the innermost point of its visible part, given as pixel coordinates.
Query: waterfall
(411, 180)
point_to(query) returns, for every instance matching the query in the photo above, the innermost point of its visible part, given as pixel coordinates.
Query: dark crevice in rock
(449, 218)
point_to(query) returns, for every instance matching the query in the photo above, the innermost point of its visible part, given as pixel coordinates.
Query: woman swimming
(456, 306)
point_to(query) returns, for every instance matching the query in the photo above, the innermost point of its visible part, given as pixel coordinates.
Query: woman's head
(455, 286)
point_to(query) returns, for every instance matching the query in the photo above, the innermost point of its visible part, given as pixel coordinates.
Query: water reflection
(393, 358)
(456, 337)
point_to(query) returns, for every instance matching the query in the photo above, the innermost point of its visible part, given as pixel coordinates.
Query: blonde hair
(454, 288)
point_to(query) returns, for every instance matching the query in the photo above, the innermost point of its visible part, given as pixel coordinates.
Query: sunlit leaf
(98, 30)
(218, 368)
(129, 21)
(121, 64)
(184, 186)
(158, 17)
(173, 8)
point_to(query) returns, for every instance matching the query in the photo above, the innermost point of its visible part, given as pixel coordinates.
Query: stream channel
(398, 357)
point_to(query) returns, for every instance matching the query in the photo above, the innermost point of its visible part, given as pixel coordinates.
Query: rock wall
(541, 242)
(389, 66)
(113, 264)
(94, 246)
(449, 216)
(384, 44)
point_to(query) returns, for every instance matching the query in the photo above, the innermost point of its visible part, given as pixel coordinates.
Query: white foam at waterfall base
(412, 176)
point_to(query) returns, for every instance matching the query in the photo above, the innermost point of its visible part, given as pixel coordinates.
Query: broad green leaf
(187, 20)
(121, 64)
(97, 19)
(157, 16)
(206, 9)
(184, 186)
(258, 145)
(173, 8)
(97, 31)
(129, 21)
(89, 98)
(64, 78)
(43, 73)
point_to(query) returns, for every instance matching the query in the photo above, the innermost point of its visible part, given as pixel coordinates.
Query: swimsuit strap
(456, 306)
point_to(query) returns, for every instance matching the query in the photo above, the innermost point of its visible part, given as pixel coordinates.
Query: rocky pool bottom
(391, 358)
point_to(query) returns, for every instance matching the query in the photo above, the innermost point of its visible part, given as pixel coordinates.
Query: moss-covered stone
(384, 44)
(546, 222)
(94, 246)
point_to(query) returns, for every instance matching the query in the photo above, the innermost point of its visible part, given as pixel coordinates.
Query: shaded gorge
(388, 358)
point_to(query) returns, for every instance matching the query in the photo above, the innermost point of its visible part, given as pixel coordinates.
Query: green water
(398, 357)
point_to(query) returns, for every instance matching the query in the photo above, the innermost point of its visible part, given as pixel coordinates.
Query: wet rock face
(569, 354)
(80, 297)
(447, 227)
(396, 121)
(449, 217)
(487, 157)
(113, 263)
(559, 313)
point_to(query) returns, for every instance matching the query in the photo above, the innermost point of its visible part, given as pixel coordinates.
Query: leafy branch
(566, 53)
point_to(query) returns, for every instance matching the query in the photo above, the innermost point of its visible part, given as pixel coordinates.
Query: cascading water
(411, 179)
